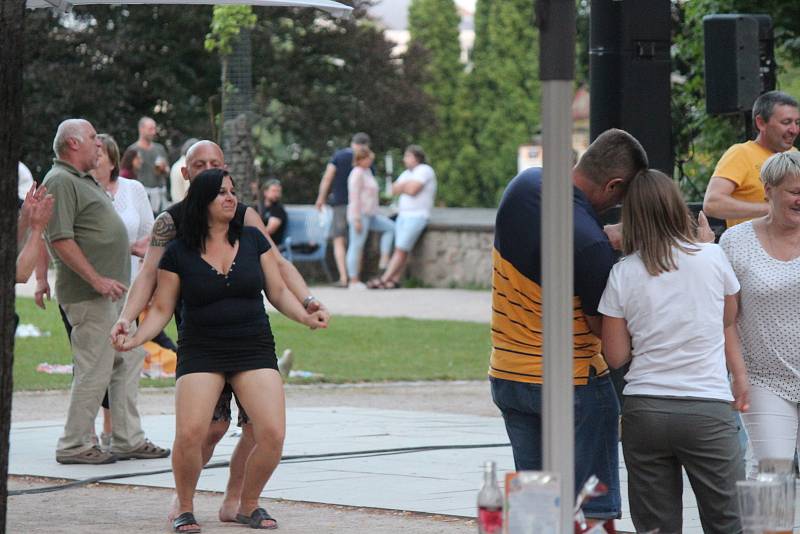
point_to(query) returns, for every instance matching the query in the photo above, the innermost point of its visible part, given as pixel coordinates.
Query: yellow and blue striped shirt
(516, 284)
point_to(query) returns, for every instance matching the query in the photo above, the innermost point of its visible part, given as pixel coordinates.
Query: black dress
(224, 328)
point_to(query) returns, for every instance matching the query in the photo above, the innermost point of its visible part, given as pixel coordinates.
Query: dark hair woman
(669, 307)
(218, 270)
(129, 163)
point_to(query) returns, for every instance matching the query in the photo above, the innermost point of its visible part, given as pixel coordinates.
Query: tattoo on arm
(163, 230)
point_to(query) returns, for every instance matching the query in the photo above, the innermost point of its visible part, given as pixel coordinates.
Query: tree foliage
(434, 44)
(113, 64)
(482, 115)
(226, 24)
(320, 80)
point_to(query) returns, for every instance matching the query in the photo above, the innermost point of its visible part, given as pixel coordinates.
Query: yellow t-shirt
(741, 164)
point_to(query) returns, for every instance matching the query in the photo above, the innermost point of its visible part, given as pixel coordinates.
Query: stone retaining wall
(455, 250)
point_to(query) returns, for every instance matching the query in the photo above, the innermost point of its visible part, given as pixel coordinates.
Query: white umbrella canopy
(334, 8)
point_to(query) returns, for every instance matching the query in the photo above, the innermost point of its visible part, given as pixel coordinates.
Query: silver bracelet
(308, 300)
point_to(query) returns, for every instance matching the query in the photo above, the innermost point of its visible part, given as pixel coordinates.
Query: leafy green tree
(113, 64)
(500, 102)
(318, 81)
(434, 29)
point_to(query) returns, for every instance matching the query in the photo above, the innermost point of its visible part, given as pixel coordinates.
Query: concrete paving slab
(434, 481)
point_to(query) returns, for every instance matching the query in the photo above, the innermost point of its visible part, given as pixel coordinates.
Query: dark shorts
(222, 411)
(339, 226)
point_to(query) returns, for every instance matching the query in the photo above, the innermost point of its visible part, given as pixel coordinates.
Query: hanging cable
(289, 459)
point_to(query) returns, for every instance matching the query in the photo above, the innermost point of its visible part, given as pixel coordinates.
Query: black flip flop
(186, 518)
(255, 518)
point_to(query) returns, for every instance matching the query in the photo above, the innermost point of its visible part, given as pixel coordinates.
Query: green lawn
(352, 349)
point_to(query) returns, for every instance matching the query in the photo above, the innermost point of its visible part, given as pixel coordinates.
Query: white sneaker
(285, 363)
(357, 286)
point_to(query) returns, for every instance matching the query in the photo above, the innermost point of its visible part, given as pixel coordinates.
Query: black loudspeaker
(739, 61)
(629, 70)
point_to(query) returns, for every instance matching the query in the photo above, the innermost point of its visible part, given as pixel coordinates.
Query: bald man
(201, 156)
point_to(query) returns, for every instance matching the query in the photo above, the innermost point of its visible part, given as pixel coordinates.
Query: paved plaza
(360, 456)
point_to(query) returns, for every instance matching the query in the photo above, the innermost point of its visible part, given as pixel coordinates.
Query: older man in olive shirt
(90, 247)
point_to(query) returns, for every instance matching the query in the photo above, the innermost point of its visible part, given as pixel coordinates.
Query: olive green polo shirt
(83, 211)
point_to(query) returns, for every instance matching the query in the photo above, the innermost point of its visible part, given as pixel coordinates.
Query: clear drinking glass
(781, 500)
(757, 505)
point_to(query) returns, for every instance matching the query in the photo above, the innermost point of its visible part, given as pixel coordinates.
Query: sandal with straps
(186, 518)
(255, 519)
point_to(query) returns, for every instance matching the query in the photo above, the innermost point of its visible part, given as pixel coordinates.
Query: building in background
(393, 14)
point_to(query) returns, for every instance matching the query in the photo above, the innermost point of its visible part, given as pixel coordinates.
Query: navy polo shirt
(343, 161)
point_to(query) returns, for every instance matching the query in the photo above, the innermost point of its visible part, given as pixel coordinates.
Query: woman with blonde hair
(666, 307)
(363, 216)
(765, 254)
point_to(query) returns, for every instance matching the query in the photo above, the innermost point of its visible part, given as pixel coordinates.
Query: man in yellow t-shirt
(735, 192)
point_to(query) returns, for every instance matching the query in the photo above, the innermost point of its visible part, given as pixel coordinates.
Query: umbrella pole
(556, 21)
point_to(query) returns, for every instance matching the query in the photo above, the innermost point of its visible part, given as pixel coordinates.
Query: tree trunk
(12, 16)
(237, 103)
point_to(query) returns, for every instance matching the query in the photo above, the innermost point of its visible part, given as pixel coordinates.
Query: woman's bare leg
(261, 393)
(196, 395)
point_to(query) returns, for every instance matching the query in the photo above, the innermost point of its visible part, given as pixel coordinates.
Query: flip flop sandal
(375, 283)
(255, 518)
(186, 518)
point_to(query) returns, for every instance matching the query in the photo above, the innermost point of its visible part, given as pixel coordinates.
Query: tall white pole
(556, 20)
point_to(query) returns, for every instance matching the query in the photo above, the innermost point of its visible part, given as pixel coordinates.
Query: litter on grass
(299, 373)
(30, 330)
(54, 368)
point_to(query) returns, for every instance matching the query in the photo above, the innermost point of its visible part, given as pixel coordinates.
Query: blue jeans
(355, 245)
(596, 435)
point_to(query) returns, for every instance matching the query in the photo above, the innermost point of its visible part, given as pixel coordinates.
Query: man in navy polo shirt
(600, 179)
(334, 181)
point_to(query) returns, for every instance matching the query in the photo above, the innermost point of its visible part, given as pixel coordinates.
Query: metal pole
(556, 20)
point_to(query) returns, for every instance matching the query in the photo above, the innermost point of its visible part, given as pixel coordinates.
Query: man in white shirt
(25, 180)
(178, 185)
(417, 190)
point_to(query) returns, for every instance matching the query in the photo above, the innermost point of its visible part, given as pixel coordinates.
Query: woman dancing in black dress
(217, 270)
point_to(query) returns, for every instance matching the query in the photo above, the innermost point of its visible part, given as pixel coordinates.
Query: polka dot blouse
(769, 314)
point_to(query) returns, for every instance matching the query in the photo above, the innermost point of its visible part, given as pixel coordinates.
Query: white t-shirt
(133, 207)
(675, 322)
(769, 312)
(25, 180)
(178, 185)
(418, 205)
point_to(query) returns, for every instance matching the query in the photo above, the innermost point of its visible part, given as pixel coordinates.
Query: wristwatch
(308, 300)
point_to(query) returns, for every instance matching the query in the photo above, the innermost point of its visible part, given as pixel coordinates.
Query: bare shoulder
(164, 230)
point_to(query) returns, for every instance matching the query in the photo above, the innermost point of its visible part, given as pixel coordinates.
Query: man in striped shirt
(600, 179)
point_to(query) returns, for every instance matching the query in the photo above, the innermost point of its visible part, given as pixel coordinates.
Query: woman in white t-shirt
(363, 216)
(130, 200)
(133, 207)
(666, 306)
(765, 254)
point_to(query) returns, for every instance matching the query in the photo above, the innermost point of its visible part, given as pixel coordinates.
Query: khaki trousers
(97, 367)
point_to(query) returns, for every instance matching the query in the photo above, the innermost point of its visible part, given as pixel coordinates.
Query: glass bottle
(490, 502)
